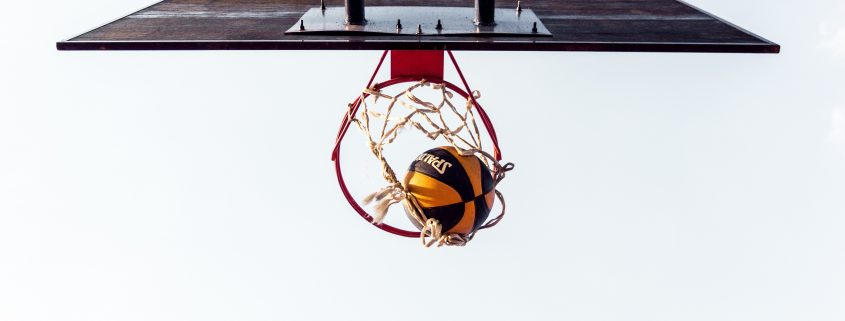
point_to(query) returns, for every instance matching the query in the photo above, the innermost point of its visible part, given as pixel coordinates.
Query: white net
(382, 117)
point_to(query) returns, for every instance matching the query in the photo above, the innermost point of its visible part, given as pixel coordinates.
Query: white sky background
(198, 186)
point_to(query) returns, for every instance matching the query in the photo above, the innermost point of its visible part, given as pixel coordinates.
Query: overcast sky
(197, 185)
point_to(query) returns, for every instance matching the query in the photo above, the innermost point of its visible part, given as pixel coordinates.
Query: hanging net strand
(382, 127)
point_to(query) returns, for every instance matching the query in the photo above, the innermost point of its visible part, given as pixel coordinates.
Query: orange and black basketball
(456, 190)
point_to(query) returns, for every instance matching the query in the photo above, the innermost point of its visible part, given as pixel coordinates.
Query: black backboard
(576, 25)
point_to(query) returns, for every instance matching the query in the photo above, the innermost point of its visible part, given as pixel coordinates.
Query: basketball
(456, 190)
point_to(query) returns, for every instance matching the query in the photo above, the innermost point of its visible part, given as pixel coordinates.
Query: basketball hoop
(406, 69)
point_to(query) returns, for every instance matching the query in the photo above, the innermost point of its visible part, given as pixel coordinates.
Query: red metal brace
(416, 63)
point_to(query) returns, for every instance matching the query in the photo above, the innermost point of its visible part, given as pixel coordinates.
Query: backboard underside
(578, 25)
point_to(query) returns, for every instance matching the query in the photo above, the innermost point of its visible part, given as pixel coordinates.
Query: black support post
(485, 11)
(355, 12)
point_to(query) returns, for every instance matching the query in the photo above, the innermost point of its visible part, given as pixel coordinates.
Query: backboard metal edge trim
(343, 44)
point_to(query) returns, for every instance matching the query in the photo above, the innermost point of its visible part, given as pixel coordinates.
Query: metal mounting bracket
(420, 21)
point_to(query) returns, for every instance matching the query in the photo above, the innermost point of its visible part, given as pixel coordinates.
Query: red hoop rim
(347, 122)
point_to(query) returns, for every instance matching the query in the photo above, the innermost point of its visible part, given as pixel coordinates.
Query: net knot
(432, 234)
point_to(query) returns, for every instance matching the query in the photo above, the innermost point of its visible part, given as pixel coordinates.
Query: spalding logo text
(439, 165)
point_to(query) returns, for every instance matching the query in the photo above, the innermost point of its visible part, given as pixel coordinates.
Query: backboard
(574, 25)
